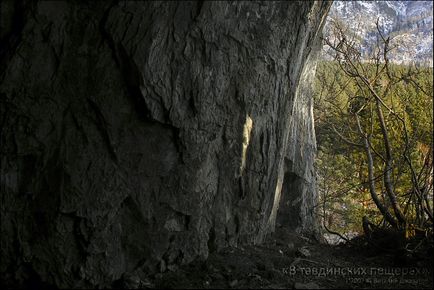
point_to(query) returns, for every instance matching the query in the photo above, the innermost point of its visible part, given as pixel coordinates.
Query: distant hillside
(410, 22)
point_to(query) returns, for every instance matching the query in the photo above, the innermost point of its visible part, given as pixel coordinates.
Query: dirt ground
(288, 261)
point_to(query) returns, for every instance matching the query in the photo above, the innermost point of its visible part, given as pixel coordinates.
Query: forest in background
(373, 108)
(341, 161)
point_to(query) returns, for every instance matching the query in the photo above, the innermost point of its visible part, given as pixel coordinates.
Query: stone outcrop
(138, 135)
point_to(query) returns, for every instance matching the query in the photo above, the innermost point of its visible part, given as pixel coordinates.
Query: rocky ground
(294, 262)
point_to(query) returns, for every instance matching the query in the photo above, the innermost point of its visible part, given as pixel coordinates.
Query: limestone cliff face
(136, 135)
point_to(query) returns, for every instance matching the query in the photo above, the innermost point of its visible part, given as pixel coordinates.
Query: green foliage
(341, 163)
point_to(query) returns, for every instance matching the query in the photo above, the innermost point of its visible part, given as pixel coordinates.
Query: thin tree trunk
(384, 211)
(388, 167)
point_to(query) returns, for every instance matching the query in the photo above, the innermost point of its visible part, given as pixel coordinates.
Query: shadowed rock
(139, 134)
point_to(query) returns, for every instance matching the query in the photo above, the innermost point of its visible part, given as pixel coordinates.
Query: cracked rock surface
(137, 136)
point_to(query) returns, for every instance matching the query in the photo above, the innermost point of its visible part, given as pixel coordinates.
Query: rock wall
(140, 135)
(297, 179)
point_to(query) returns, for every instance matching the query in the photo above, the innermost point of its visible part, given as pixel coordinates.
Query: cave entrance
(289, 212)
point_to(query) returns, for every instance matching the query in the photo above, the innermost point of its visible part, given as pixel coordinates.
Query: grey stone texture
(138, 135)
